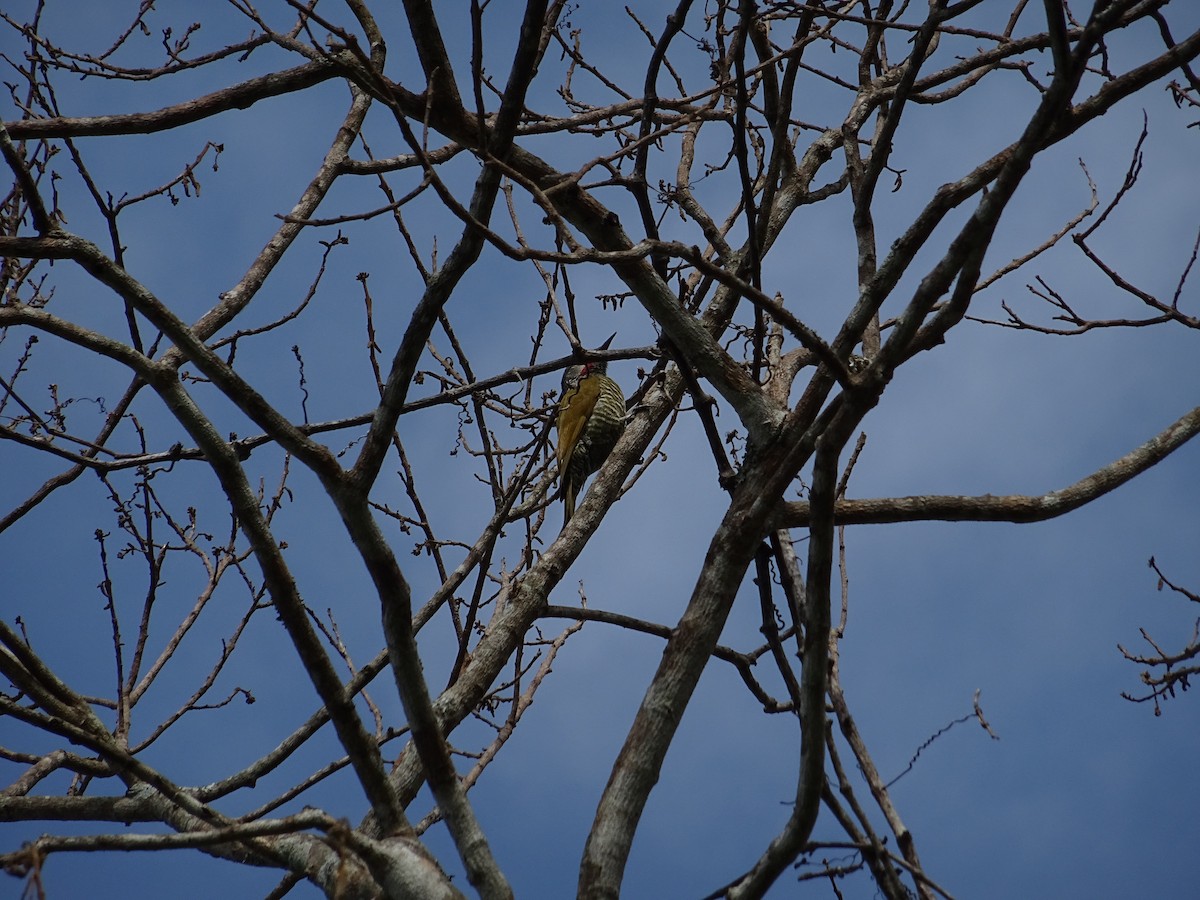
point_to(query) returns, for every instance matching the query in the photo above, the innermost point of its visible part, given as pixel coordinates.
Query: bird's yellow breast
(574, 409)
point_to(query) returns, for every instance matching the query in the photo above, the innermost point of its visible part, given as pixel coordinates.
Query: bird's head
(572, 375)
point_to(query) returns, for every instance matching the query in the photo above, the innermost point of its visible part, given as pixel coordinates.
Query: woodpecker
(591, 417)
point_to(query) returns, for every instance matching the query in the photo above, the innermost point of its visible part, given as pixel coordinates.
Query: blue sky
(1084, 795)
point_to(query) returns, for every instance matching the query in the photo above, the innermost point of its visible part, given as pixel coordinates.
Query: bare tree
(241, 416)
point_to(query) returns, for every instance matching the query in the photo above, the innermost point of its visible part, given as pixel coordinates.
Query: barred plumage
(591, 417)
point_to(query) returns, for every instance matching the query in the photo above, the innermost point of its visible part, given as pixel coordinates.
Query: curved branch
(1009, 508)
(740, 661)
(239, 96)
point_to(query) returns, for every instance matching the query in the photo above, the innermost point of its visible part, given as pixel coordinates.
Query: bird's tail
(568, 498)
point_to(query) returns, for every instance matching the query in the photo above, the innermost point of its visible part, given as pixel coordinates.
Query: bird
(591, 417)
